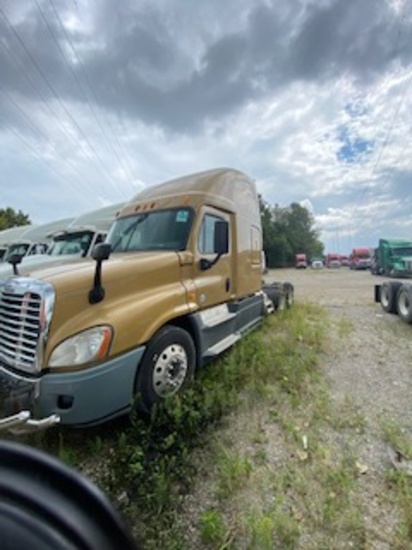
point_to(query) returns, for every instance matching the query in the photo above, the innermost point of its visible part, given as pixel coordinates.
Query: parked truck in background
(177, 282)
(77, 239)
(35, 239)
(332, 260)
(85, 232)
(392, 258)
(9, 236)
(301, 261)
(360, 258)
(344, 260)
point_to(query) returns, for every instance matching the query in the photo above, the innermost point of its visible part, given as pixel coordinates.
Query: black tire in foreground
(389, 291)
(167, 366)
(46, 505)
(404, 303)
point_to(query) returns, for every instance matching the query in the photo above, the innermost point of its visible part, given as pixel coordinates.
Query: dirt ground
(374, 366)
(329, 287)
(370, 364)
(366, 363)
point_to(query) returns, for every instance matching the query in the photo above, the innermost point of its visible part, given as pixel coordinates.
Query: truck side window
(207, 234)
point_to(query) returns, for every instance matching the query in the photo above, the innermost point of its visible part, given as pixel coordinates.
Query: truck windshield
(18, 248)
(71, 243)
(404, 251)
(156, 230)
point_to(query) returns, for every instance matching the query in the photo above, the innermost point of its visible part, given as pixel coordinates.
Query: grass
(399, 480)
(253, 455)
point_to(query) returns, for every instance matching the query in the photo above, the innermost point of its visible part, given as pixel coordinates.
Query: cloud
(312, 99)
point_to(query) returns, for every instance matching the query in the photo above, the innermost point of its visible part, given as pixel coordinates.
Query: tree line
(288, 231)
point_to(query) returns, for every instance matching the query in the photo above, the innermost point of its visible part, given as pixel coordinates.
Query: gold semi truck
(177, 282)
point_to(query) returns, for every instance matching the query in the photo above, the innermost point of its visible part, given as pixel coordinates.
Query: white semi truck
(75, 238)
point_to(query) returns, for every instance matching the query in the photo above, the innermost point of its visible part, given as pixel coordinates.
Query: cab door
(213, 285)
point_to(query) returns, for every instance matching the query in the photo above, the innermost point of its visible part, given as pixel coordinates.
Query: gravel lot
(366, 363)
(371, 364)
(374, 364)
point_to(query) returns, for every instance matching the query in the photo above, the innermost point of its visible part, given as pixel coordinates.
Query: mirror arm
(206, 264)
(96, 294)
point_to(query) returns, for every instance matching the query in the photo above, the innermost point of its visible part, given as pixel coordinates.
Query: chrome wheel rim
(170, 370)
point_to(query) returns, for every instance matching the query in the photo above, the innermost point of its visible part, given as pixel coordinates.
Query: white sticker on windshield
(182, 216)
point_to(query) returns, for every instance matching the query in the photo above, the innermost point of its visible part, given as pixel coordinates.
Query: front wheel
(167, 366)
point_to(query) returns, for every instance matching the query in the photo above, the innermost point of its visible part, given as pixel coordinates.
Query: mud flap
(378, 294)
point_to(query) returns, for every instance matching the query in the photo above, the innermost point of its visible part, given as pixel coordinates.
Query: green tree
(10, 218)
(288, 231)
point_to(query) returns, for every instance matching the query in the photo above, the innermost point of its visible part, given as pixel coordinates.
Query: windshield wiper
(130, 230)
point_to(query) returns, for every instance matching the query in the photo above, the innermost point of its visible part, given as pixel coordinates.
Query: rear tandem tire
(404, 303)
(281, 294)
(389, 290)
(289, 294)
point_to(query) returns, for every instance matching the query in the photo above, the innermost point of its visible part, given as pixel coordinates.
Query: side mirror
(15, 260)
(101, 252)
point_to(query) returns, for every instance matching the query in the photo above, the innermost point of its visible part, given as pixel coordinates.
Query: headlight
(91, 345)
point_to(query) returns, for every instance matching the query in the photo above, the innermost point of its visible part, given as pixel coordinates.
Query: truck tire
(275, 292)
(289, 294)
(167, 366)
(389, 290)
(404, 303)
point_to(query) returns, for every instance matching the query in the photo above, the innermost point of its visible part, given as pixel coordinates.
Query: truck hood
(70, 275)
(142, 291)
(402, 263)
(31, 264)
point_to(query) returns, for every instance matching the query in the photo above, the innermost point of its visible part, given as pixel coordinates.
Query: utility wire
(55, 94)
(39, 132)
(36, 153)
(25, 75)
(391, 127)
(126, 163)
(75, 77)
(397, 109)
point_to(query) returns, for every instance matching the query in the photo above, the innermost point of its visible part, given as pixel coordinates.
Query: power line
(91, 88)
(25, 75)
(55, 94)
(75, 77)
(396, 113)
(390, 129)
(35, 152)
(37, 131)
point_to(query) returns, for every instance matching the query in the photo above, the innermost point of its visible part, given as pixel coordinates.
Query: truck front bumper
(17, 397)
(81, 398)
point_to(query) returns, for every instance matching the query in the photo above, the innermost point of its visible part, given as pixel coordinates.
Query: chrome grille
(25, 315)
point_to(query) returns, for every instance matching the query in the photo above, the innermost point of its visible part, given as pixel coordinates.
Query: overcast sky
(312, 99)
